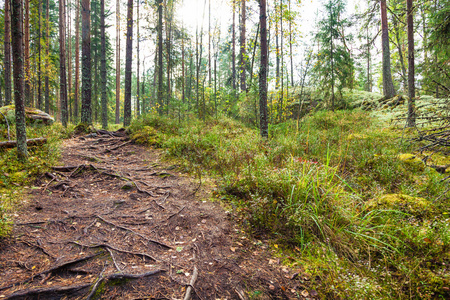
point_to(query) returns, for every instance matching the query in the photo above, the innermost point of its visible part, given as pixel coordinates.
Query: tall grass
(330, 190)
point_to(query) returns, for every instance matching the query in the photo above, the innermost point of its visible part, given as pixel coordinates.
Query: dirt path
(117, 223)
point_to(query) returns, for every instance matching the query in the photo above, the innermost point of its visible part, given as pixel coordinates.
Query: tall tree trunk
(282, 61)
(400, 53)
(128, 63)
(168, 14)
(233, 47)
(77, 62)
(369, 83)
(39, 87)
(263, 71)
(19, 88)
(138, 107)
(86, 109)
(62, 63)
(388, 86)
(7, 62)
(117, 62)
(209, 42)
(26, 49)
(160, 58)
(183, 79)
(69, 60)
(144, 104)
(47, 59)
(242, 42)
(277, 51)
(411, 84)
(332, 60)
(290, 46)
(103, 66)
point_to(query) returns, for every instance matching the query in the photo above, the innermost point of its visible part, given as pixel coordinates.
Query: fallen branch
(30, 142)
(42, 292)
(187, 296)
(51, 270)
(136, 233)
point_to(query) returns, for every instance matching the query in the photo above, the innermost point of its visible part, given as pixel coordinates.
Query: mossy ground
(333, 194)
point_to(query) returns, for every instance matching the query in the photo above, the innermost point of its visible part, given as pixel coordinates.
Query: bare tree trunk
(209, 42)
(118, 62)
(103, 66)
(47, 60)
(39, 102)
(138, 107)
(233, 53)
(263, 72)
(332, 61)
(26, 49)
(62, 63)
(290, 46)
(86, 109)
(77, 62)
(388, 86)
(282, 61)
(243, 60)
(411, 84)
(7, 62)
(160, 60)
(19, 87)
(128, 63)
(69, 60)
(400, 53)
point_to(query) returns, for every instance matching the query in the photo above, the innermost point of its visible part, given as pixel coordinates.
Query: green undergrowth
(333, 193)
(16, 175)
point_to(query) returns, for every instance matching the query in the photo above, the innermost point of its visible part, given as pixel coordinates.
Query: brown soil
(116, 222)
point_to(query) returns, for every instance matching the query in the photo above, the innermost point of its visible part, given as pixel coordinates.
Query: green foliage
(333, 191)
(16, 175)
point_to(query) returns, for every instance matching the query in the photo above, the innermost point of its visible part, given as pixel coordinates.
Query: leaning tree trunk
(62, 63)
(128, 62)
(388, 86)
(19, 85)
(7, 63)
(103, 66)
(263, 71)
(411, 85)
(86, 110)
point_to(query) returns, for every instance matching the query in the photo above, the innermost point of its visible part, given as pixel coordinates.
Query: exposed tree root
(45, 293)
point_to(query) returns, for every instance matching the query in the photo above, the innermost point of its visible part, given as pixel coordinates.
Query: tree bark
(19, 85)
(86, 110)
(7, 43)
(128, 63)
(26, 49)
(39, 87)
(160, 58)
(77, 63)
(138, 106)
(388, 86)
(62, 63)
(411, 84)
(117, 62)
(233, 47)
(69, 60)
(263, 71)
(47, 60)
(242, 42)
(103, 66)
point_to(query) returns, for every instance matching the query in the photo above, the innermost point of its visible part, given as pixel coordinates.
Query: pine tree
(388, 86)
(263, 71)
(86, 110)
(128, 63)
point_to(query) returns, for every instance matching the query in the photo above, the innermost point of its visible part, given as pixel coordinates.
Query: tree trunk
(400, 53)
(138, 106)
(62, 63)
(209, 42)
(242, 42)
(103, 66)
(332, 60)
(47, 60)
(7, 62)
(233, 46)
(388, 86)
(160, 58)
(118, 62)
(19, 86)
(26, 49)
(282, 61)
(290, 45)
(39, 102)
(86, 110)
(263, 71)
(411, 84)
(77, 62)
(69, 61)
(128, 63)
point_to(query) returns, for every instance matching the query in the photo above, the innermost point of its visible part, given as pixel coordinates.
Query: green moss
(412, 161)
(146, 135)
(416, 206)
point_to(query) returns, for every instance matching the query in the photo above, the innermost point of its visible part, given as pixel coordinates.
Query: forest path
(116, 222)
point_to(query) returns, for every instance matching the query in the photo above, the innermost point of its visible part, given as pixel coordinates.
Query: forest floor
(116, 221)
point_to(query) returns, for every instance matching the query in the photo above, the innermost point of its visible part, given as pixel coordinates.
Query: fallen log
(30, 142)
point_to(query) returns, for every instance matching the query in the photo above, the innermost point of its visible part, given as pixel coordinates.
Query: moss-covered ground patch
(324, 192)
